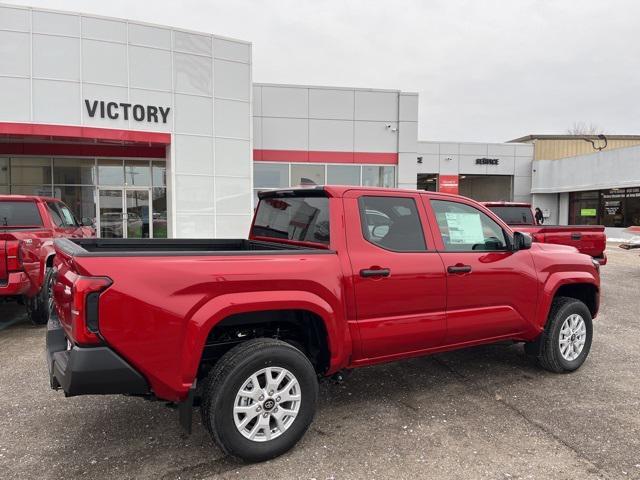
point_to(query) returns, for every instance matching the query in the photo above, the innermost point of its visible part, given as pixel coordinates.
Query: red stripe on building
(83, 150)
(69, 132)
(304, 156)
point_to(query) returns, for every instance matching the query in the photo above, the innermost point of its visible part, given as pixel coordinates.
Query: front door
(397, 276)
(491, 290)
(124, 213)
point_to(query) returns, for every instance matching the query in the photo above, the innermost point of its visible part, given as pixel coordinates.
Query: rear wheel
(39, 306)
(259, 399)
(566, 341)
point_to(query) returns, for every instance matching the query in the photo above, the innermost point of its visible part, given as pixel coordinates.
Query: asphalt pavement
(479, 413)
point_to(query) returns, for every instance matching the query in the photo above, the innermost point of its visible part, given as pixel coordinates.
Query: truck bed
(117, 247)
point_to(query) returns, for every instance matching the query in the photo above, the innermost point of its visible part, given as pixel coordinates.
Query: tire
(38, 307)
(547, 349)
(221, 395)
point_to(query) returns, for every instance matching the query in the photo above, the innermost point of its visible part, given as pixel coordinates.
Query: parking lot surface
(484, 412)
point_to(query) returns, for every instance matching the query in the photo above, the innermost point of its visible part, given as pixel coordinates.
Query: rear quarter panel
(160, 310)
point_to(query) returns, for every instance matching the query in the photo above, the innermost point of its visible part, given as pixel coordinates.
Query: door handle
(576, 236)
(375, 272)
(459, 268)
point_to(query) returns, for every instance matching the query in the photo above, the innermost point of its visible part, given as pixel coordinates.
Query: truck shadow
(137, 438)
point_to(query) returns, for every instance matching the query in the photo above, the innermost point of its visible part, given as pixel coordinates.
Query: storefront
(482, 171)
(600, 188)
(127, 198)
(145, 128)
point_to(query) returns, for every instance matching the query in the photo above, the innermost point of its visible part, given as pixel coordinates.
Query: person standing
(539, 216)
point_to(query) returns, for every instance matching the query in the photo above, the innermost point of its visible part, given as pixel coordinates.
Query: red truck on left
(28, 226)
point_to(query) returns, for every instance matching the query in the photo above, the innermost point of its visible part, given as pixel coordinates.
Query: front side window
(67, 216)
(465, 228)
(392, 223)
(303, 219)
(55, 215)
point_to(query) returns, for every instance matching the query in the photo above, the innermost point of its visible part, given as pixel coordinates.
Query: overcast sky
(485, 70)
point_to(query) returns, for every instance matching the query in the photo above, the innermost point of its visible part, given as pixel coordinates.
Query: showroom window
(4, 175)
(76, 180)
(343, 175)
(616, 207)
(375, 176)
(307, 174)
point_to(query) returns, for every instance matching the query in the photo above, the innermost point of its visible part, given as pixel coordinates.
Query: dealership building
(155, 131)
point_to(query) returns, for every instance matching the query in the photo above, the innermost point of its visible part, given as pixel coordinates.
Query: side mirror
(87, 222)
(521, 241)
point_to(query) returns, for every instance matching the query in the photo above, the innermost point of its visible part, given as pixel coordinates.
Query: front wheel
(259, 399)
(566, 341)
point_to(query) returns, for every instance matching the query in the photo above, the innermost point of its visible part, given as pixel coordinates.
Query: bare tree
(584, 128)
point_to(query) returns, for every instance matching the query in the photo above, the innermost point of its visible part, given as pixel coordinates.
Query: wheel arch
(236, 308)
(584, 287)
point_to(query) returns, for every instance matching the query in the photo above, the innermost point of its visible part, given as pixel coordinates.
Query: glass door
(124, 213)
(137, 214)
(110, 213)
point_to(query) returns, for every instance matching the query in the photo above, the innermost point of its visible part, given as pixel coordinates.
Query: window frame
(362, 212)
(437, 233)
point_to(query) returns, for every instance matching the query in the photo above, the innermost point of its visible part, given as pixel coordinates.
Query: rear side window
(19, 214)
(304, 219)
(392, 223)
(514, 215)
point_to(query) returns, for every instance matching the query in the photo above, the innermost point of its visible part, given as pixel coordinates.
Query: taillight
(84, 310)
(537, 237)
(13, 256)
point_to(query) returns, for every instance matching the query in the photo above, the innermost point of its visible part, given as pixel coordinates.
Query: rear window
(19, 214)
(514, 215)
(304, 219)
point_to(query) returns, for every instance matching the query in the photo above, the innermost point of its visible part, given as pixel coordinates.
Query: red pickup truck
(28, 225)
(331, 278)
(589, 239)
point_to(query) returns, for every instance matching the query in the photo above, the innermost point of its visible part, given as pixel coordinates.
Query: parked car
(331, 278)
(589, 239)
(28, 225)
(633, 242)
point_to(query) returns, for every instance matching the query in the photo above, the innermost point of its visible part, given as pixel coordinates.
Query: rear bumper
(88, 370)
(601, 260)
(17, 284)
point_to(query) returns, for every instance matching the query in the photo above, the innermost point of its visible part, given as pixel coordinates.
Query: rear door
(491, 290)
(398, 277)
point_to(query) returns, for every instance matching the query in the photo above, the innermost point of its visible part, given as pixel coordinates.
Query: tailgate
(593, 242)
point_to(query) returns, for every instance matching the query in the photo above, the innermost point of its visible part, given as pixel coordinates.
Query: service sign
(487, 161)
(116, 110)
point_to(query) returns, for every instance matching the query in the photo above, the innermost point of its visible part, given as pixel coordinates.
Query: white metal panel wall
(408, 141)
(294, 117)
(596, 171)
(51, 61)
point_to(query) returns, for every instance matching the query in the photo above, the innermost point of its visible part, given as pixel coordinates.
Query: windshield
(302, 219)
(513, 215)
(19, 214)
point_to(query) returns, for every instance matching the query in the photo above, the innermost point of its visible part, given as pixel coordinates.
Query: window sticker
(464, 228)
